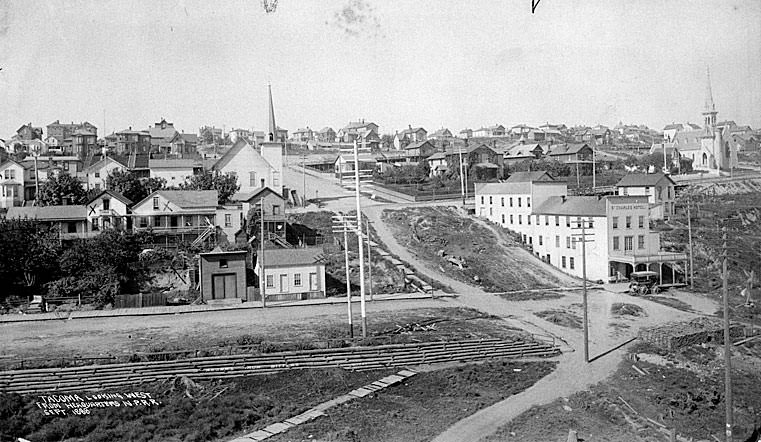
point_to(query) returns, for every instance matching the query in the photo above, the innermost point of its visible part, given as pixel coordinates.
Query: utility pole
(689, 234)
(594, 172)
(581, 225)
(341, 225)
(462, 176)
(727, 341)
(263, 276)
(369, 258)
(304, 179)
(360, 242)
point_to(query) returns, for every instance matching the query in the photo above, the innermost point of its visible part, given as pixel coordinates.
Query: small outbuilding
(293, 274)
(223, 274)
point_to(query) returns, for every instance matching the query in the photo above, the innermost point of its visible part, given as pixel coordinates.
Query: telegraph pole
(689, 233)
(341, 225)
(581, 225)
(304, 179)
(360, 242)
(727, 340)
(462, 177)
(263, 277)
(369, 258)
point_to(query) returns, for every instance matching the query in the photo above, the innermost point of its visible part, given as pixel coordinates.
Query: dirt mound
(623, 309)
(561, 317)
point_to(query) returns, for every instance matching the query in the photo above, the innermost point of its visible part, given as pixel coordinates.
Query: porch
(670, 267)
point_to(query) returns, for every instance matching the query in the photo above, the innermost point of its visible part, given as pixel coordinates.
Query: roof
(516, 188)
(418, 145)
(325, 130)
(573, 205)
(2, 165)
(190, 138)
(438, 156)
(247, 196)
(49, 213)
(291, 257)
(528, 177)
(187, 199)
(441, 133)
(157, 132)
(643, 179)
(566, 149)
(239, 145)
(218, 251)
(181, 163)
(121, 160)
(112, 194)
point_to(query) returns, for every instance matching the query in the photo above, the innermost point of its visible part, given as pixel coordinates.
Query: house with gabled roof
(569, 152)
(245, 162)
(274, 210)
(326, 135)
(109, 210)
(191, 216)
(497, 130)
(409, 136)
(70, 221)
(162, 134)
(11, 184)
(418, 151)
(293, 274)
(529, 177)
(97, 173)
(441, 134)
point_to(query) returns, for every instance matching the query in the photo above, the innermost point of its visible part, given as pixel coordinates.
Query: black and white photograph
(380, 221)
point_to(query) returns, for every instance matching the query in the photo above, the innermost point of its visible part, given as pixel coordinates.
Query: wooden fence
(140, 300)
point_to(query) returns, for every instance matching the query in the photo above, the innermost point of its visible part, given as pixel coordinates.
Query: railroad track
(97, 377)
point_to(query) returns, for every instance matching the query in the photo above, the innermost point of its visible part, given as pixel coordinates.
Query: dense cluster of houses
(174, 216)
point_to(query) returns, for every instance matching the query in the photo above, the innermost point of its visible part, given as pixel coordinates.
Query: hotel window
(567, 242)
(616, 243)
(270, 281)
(570, 261)
(228, 220)
(252, 179)
(557, 220)
(502, 200)
(562, 261)
(528, 219)
(573, 243)
(503, 218)
(568, 221)
(628, 243)
(490, 200)
(155, 203)
(297, 279)
(628, 222)
(557, 241)
(511, 201)
(482, 199)
(615, 222)
(520, 219)
(641, 242)
(491, 211)
(519, 201)
(546, 220)
(528, 201)
(641, 221)
(537, 220)
(540, 240)
(222, 263)
(530, 240)
(511, 219)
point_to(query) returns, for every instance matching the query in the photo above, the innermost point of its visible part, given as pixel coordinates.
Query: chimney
(262, 182)
(563, 198)
(410, 126)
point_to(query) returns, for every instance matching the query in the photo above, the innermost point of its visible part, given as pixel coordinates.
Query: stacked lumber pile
(676, 335)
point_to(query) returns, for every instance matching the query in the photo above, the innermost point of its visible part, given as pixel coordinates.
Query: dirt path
(573, 373)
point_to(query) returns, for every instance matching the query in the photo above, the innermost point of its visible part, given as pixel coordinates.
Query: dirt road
(573, 374)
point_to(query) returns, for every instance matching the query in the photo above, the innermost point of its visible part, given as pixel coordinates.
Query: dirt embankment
(469, 250)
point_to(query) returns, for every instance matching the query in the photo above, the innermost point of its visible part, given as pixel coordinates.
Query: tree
(386, 141)
(226, 185)
(61, 189)
(30, 253)
(207, 136)
(136, 189)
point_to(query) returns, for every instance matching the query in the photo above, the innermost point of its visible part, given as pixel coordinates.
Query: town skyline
(435, 66)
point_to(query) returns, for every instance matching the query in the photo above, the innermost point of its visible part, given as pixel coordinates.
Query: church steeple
(709, 114)
(272, 126)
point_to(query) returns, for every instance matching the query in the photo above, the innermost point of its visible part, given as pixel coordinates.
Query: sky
(429, 63)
